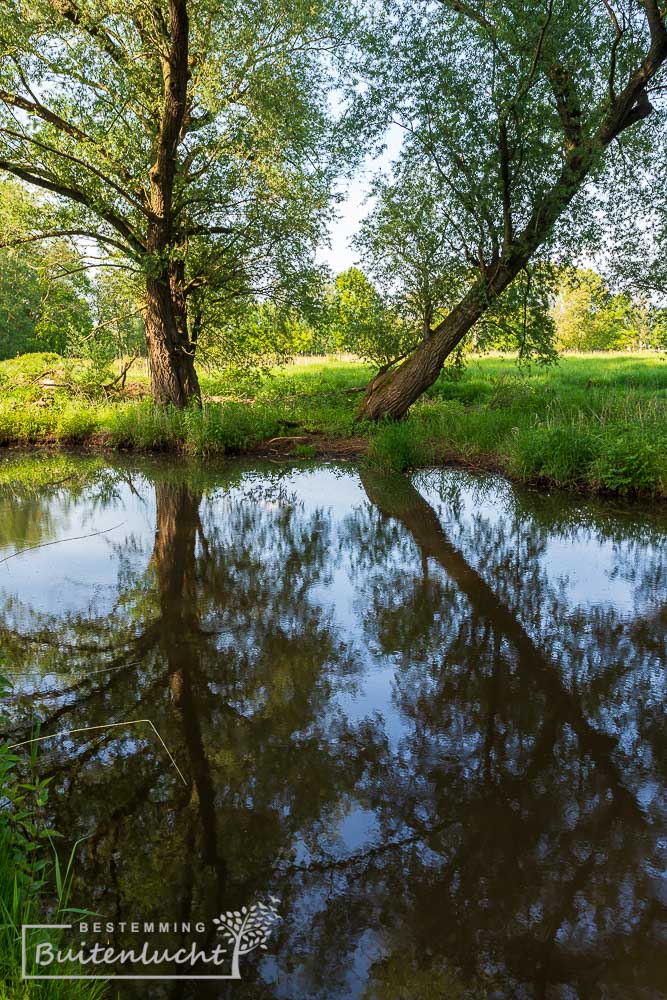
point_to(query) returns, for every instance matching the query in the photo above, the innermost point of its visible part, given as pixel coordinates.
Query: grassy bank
(593, 423)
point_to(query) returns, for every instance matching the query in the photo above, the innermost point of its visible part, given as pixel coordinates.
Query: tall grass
(593, 422)
(30, 874)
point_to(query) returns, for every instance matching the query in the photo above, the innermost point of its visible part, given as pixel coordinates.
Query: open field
(594, 422)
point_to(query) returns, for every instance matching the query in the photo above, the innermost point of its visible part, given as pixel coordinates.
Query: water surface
(426, 715)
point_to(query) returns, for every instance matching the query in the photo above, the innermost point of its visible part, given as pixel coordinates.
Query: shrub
(631, 462)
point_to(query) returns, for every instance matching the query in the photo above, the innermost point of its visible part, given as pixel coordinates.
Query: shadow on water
(427, 716)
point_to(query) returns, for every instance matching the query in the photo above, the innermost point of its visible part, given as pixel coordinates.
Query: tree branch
(618, 35)
(63, 233)
(61, 154)
(33, 175)
(505, 184)
(36, 108)
(473, 15)
(70, 12)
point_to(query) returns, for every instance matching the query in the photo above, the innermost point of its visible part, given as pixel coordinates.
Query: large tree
(191, 141)
(515, 107)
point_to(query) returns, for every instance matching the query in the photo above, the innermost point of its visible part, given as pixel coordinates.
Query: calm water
(427, 716)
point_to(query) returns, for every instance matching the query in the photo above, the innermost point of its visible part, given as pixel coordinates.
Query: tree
(521, 320)
(635, 257)
(44, 293)
(589, 317)
(117, 316)
(192, 142)
(360, 320)
(515, 107)
(409, 248)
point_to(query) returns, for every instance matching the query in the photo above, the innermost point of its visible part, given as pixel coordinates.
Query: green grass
(34, 887)
(595, 423)
(592, 423)
(18, 905)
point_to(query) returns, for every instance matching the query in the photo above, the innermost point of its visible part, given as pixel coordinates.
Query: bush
(631, 462)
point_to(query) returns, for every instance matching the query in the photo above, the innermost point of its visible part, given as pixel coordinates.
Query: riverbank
(594, 423)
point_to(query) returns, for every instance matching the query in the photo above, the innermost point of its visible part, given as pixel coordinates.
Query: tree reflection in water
(392, 714)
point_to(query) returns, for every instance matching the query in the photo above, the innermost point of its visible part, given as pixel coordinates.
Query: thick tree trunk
(170, 350)
(170, 353)
(392, 393)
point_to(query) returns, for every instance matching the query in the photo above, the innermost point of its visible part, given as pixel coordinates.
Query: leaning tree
(192, 142)
(514, 107)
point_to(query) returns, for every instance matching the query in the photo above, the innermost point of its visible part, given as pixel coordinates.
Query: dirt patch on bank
(309, 446)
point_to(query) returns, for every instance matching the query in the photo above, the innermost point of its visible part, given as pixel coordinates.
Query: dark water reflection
(427, 715)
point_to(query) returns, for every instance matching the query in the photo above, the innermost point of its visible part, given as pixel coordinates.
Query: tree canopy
(194, 143)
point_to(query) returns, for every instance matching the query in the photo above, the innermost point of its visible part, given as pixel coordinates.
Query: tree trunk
(170, 353)
(391, 394)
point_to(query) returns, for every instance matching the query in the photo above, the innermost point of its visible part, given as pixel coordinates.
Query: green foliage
(562, 453)
(24, 370)
(360, 321)
(520, 319)
(486, 92)
(251, 337)
(255, 152)
(229, 428)
(410, 249)
(399, 446)
(305, 451)
(589, 318)
(553, 428)
(631, 462)
(216, 429)
(43, 292)
(30, 871)
(118, 296)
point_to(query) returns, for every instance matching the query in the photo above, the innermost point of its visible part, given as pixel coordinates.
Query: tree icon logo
(247, 929)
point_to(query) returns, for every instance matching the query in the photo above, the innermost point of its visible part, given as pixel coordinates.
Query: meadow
(591, 423)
